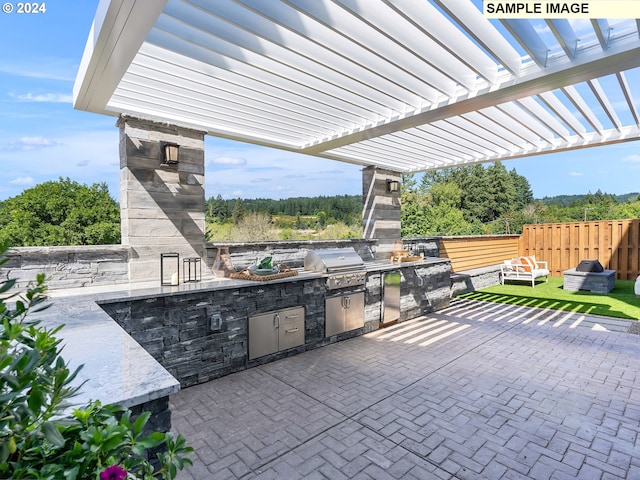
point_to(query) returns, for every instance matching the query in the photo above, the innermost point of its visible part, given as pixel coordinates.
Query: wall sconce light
(170, 153)
(393, 186)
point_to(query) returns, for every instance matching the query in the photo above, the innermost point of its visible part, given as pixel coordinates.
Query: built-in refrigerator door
(391, 298)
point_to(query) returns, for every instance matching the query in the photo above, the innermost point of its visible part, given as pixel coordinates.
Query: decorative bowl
(266, 271)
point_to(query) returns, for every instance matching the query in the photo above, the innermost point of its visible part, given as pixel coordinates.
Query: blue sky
(44, 138)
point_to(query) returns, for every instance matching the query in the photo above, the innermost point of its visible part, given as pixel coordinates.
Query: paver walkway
(476, 391)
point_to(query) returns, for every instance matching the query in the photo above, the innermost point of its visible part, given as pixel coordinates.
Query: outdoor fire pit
(591, 276)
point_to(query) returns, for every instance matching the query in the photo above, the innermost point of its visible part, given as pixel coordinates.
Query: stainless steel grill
(343, 265)
(344, 302)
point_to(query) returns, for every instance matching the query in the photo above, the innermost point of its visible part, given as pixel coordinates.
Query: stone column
(381, 209)
(161, 206)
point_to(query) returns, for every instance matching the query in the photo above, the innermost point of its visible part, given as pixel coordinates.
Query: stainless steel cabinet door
(263, 335)
(291, 331)
(354, 311)
(344, 313)
(334, 316)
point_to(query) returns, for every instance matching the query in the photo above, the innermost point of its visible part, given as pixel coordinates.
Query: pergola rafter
(408, 85)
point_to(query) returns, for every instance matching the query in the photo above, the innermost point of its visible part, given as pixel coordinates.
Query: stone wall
(201, 336)
(423, 289)
(159, 421)
(429, 246)
(475, 279)
(291, 252)
(68, 267)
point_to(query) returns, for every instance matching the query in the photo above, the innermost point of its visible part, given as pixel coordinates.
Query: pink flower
(114, 472)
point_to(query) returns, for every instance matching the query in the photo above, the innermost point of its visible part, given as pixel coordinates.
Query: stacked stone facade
(203, 335)
(68, 267)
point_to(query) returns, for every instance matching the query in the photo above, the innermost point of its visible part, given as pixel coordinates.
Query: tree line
(489, 199)
(346, 209)
(471, 200)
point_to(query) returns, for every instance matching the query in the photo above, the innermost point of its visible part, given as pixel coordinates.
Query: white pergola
(406, 85)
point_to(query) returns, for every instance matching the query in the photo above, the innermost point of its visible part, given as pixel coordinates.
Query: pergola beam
(533, 84)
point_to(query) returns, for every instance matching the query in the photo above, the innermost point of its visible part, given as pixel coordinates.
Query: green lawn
(621, 302)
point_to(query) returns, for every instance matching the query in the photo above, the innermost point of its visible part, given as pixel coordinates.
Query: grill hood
(333, 260)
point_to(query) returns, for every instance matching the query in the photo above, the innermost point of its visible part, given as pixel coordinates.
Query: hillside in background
(341, 208)
(566, 200)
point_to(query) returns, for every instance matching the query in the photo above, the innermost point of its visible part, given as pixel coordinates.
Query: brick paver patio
(476, 391)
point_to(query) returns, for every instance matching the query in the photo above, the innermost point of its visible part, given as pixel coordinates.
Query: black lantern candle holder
(169, 272)
(191, 269)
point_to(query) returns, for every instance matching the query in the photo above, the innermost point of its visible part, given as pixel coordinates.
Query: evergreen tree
(220, 209)
(524, 194)
(238, 212)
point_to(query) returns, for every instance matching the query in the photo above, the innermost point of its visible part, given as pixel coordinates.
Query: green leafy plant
(265, 263)
(39, 439)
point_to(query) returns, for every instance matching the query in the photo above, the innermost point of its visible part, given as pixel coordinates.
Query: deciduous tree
(61, 212)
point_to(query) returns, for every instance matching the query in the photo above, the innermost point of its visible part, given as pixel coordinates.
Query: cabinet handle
(292, 316)
(276, 320)
(348, 299)
(293, 330)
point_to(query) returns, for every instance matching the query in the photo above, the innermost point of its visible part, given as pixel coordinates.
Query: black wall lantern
(169, 153)
(393, 186)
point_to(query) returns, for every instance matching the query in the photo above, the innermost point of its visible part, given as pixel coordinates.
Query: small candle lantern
(169, 269)
(191, 269)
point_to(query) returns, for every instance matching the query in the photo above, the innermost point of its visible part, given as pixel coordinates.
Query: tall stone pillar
(381, 209)
(161, 206)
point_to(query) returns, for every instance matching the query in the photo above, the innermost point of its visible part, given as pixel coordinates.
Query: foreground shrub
(38, 438)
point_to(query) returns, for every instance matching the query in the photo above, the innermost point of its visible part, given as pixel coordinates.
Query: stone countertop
(116, 369)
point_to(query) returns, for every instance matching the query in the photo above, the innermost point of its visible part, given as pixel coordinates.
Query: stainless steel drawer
(275, 331)
(291, 331)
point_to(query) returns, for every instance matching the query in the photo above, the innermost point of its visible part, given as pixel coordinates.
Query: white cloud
(632, 158)
(22, 181)
(32, 143)
(228, 161)
(82, 163)
(41, 160)
(44, 97)
(42, 68)
(260, 180)
(576, 174)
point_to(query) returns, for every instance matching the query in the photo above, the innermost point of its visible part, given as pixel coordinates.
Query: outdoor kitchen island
(200, 331)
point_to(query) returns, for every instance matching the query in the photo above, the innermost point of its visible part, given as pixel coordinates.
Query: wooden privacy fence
(471, 252)
(615, 243)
